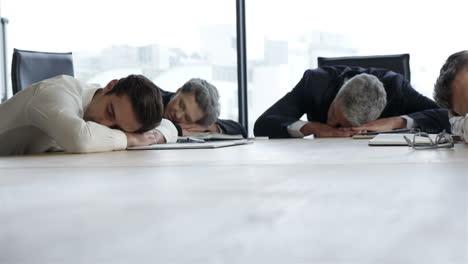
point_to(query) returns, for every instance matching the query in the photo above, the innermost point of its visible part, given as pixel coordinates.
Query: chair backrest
(398, 63)
(29, 67)
(3, 59)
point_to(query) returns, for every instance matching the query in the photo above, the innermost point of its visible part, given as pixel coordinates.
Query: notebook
(191, 145)
(398, 139)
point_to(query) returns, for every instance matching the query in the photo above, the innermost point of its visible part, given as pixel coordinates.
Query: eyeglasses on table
(423, 140)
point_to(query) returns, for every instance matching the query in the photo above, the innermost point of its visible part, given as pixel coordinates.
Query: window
(284, 38)
(172, 41)
(167, 41)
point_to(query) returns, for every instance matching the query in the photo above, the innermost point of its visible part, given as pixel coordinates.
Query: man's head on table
(196, 103)
(360, 100)
(131, 104)
(451, 87)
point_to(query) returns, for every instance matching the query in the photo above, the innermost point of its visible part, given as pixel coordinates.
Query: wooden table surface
(275, 201)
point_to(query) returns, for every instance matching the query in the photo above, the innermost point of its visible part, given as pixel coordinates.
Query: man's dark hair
(145, 97)
(443, 86)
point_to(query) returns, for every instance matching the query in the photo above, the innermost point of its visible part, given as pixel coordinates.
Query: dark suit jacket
(316, 90)
(228, 126)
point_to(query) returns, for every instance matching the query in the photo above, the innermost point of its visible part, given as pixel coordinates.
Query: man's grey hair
(443, 86)
(207, 98)
(364, 99)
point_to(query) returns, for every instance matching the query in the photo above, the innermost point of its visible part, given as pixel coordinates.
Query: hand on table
(143, 139)
(383, 124)
(324, 130)
(194, 128)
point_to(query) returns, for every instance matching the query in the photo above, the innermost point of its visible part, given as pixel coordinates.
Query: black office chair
(29, 67)
(398, 63)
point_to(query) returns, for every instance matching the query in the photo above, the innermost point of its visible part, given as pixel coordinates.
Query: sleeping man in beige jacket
(65, 114)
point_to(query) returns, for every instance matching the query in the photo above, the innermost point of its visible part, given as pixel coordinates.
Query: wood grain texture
(275, 201)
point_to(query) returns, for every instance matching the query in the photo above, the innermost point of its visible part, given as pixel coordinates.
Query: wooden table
(275, 201)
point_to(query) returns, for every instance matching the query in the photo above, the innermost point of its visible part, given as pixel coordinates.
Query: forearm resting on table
(383, 124)
(311, 128)
(143, 139)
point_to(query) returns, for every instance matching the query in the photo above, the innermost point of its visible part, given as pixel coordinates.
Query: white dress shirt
(48, 116)
(459, 126)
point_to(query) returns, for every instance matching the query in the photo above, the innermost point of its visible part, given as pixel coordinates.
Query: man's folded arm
(425, 112)
(432, 120)
(294, 129)
(75, 135)
(273, 126)
(231, 127)
(413, 101)
(275, 121)
(289, 109)
(59, 115)
(168, 130)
